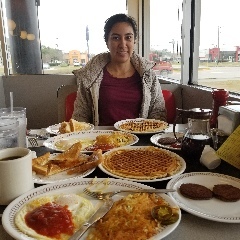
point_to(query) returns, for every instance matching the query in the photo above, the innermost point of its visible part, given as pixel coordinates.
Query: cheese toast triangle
(65, 127)
(77, 126)
(71, 154)
(41, 169)
(42, 160)
(91, 162)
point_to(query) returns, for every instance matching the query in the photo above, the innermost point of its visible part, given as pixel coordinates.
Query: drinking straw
(11, 102)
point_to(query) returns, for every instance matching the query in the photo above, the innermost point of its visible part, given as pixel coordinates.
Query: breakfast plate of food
(91, 140)
(208, 195)
(56, 167)
(167, 140)
(141, 126)
(142, 164)
(67, 127)
(22, 217)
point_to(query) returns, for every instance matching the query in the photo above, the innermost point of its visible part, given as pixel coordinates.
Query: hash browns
(130, 216)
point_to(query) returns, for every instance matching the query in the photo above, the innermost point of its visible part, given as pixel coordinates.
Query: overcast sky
(63, 23)
(220, 13)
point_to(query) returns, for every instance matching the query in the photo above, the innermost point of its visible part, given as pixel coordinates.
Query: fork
(33, 142)
(101, 195)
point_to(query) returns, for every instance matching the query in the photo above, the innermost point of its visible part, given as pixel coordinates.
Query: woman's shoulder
(92, 69)
(141, 64)
(97, 62)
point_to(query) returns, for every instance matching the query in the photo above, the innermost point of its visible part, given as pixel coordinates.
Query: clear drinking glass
(20, 114)
(8, 132)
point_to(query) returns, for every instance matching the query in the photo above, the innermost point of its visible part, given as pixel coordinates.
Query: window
(65, 29)
(219, 50)
(70, 34)
(165, 37)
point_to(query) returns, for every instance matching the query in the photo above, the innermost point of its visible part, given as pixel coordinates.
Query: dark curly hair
(118, 18)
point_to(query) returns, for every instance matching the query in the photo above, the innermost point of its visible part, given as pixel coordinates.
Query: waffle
(142, 163)
(143, 126)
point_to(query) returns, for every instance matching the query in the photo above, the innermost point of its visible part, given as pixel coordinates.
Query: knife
(143, 190)
(100, 213)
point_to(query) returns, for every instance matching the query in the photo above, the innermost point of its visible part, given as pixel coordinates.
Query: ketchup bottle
(220, 97)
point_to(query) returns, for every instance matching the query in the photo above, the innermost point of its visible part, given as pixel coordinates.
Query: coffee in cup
(15, 173)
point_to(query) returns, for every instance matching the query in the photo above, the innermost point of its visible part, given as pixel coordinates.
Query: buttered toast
(73, 126)
(70, 154)
(71, 159)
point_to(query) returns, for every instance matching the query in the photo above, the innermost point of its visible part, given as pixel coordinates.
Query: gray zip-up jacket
(89, 79)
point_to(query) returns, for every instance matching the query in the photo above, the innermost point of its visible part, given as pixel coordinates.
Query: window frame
(140, 10)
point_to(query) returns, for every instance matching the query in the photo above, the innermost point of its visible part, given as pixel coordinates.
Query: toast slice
(65, 165)
(78, 126)
(42, 160)
(41, 169)
(65, 127)
(40, 164)
(70, 154)
(70, 160)
(73, 126)
(53, 167)
(92, 162)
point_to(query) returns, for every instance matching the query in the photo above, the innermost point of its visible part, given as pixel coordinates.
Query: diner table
(191, 226)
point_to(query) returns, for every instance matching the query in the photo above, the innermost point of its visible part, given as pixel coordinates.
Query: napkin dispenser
(229, 118)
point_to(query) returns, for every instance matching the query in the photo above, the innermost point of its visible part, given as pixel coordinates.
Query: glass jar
(197, 136)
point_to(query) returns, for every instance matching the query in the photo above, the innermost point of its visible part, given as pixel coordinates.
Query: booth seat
(67, 94)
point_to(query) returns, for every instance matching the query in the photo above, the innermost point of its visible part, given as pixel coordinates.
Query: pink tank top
(119, 98)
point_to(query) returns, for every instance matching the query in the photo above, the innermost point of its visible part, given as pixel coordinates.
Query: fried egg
(80, 208)
(64, 144)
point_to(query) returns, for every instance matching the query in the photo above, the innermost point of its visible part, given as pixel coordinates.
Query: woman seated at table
(118, 84)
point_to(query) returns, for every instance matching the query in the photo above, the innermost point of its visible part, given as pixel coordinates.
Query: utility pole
(87, 38)
(218, 45)
(173, 44)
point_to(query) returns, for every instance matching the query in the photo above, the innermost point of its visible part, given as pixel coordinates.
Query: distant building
(76, 56)
(215, 54)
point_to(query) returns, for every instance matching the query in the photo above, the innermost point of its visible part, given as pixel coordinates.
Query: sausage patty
(195, 191)
(226, 192)
(167, 140)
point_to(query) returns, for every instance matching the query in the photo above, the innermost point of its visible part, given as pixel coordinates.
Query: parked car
(163, 68)
(76, 64)
(46, 66)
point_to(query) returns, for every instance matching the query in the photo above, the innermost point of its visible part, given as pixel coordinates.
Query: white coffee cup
(15, 173)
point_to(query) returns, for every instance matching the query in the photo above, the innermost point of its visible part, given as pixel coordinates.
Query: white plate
(59, 177)
(75, 186)
(154, 139)
(54, 129)
(90, 135)
(137, 120)
(213, 209)
(181, 169)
